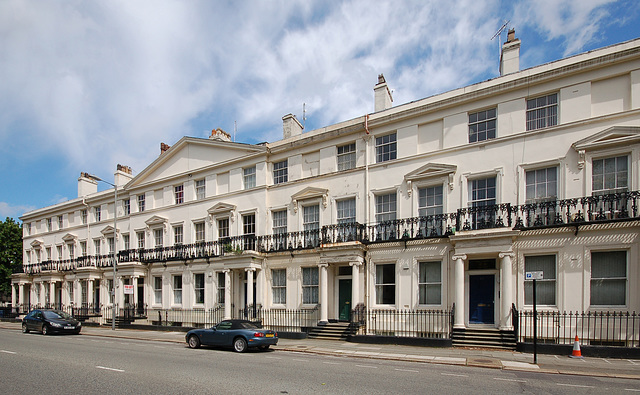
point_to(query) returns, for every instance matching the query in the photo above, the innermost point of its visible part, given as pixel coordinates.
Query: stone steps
(483, 337)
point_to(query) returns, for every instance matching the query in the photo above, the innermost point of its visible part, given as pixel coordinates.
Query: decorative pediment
(107, 230)
(431, 170)
(615, 135)
(154, 221)
(70, 237)
(37, 243)
(221, 208)
(309, 193)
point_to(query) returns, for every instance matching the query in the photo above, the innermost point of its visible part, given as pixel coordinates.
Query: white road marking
(111, 369)
(273, 357)
(407, 370)
(632, 389)
(631, 362)
(367, 366)
(513, 380)
(300, 360)
(576, 385)
(7, 352)
(332, 363)
(453, 374)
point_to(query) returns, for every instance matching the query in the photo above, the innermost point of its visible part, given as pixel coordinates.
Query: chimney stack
(219, 134)
(86, 185)
(291, 126)
(383, 99)
(123, 175)
(510, 55)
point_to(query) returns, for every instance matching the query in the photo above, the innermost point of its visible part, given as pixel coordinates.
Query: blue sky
(88, 85)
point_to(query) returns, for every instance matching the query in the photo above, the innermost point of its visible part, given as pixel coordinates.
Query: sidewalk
(483, 358)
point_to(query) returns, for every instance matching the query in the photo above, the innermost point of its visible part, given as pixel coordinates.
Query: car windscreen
(248, 325)
(56, 315)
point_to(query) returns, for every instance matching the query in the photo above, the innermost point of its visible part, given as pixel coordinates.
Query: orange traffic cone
(576, 353)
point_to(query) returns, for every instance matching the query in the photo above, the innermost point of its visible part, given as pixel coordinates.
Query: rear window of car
(247, 325)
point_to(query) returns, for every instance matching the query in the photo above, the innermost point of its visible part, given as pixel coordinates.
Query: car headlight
(55, 324)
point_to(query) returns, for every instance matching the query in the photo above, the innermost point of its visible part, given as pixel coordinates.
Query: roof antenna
(304, 114)
(499, 33)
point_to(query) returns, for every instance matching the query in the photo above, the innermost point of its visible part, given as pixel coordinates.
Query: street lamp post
(115, 246)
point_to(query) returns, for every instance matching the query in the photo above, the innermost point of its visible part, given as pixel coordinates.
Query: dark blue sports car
(239, 334)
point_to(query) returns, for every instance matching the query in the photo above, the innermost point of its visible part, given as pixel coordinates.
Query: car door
(33, 322)
(222, 334)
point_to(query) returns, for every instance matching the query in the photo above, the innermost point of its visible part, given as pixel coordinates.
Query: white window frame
(178, 235)
(346, 156)
(198, 291)
(483, 119)
(177, 288)
(428, 283)
(625, 279)
(385, 287)
(249, 177)
(547, 279)
(390, 141)
(157, 291)
(279, 290)
(281, 172)
(536, 122)
(310, 289)
(141, 199)
(201, 189)
(199, 234)
(178, 194)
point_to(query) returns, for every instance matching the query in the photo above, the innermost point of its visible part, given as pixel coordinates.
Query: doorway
(344, 299)
(482, 299)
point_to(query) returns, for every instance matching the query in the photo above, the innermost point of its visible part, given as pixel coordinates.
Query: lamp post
(115, 245)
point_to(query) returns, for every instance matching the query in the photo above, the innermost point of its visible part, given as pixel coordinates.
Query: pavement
(474, 357)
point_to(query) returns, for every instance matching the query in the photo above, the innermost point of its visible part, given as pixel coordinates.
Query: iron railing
(290, 320)
(403, 323)
(622, 206)
(602, 328)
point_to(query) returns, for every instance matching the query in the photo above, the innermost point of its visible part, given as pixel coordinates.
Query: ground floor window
(545, 288)
(71, 293)
(157, 290)
(386, 283)
(279, 286)
(310, 285)
(177, 289)
(199, 287)
(608, 278)
(430, 283)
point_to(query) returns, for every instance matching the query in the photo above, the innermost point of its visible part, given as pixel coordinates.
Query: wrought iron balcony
(572, 212)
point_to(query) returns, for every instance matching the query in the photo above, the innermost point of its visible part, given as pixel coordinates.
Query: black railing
(289, 320)
(620, 206)
(608, 328)
(403, 323)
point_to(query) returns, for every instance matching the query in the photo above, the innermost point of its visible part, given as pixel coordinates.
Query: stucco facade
(443, 201)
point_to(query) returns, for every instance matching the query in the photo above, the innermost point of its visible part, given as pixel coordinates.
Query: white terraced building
(445, 201)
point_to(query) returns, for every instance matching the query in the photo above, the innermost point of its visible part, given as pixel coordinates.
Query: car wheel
(264, 348)
(239, 344)
(24, 328)
(45, 329)
(193, 342)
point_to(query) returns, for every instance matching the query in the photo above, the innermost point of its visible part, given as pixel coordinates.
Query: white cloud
(7, 210)
(105, 82)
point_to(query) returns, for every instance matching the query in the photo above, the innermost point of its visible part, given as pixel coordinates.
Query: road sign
(534, 275)
(128, 289)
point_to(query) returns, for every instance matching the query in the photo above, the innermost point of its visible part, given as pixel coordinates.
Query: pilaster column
(52, 293)
(134, 281)
(324, 293)
(43, 295)
(355, 283)
(89, 293)
(506, 279)
(21, 297)
(14, 301)
(249, 301)
(227, 294)
(458, 288)
(118, 298)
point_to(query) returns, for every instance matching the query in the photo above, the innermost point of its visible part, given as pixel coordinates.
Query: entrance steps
(483, 337)
(331, 331)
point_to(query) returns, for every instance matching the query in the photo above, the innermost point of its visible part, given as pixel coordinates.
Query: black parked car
(49, 321)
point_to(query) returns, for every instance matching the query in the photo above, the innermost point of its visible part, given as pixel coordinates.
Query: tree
(10, 253)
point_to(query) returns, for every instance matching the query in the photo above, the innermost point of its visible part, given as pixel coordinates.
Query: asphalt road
(32, 363)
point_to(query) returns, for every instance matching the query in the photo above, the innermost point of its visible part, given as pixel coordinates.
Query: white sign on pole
(128, 289)
(538, 275)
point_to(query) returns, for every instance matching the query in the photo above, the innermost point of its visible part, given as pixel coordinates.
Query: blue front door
(481, 299)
